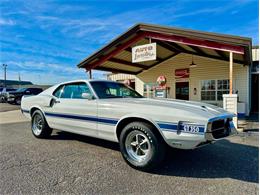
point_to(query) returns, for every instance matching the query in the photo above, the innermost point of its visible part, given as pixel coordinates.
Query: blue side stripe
(85, 118)
(173, 127)
(168, 126)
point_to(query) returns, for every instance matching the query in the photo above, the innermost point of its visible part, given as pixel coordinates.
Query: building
(20, 84)
(13, 83)
(255, 80)
(198, 66)
(136, 83)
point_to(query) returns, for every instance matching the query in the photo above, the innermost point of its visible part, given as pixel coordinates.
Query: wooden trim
(174, 40)
(116, 51)
(212, 56)
(193, 42)
(157, 63)
(198, 50)
(167, 46)
(222, 54)
(115, 70)
(124, 62)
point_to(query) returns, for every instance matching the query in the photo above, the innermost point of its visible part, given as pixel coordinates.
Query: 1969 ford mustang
(112, 111)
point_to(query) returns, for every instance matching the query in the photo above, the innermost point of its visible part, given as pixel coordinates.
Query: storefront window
(208, 90)
(211, 92)
(223, 88)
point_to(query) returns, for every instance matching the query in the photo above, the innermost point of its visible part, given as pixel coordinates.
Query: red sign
(182, 73)
(161, 80)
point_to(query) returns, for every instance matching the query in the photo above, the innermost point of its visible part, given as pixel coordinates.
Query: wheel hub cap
(137, 146)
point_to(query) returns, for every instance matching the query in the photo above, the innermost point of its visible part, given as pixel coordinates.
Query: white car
(112, 111)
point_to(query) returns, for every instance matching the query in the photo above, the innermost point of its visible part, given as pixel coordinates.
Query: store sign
(161, 80)
(144, 53)
(182, 73)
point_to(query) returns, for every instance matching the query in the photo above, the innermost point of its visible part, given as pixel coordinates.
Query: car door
(71, 111)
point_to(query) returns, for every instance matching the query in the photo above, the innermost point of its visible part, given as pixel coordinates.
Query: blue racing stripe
(85, 118)
(168, 126)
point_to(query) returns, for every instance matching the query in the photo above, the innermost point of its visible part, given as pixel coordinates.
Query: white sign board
(144, 53)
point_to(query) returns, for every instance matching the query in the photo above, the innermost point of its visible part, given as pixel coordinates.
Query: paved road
(68, 163)
(4, 107)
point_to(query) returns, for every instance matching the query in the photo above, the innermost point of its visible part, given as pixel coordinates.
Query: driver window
(75, 90)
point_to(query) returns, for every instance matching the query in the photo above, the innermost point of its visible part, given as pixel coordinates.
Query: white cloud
(6, 22)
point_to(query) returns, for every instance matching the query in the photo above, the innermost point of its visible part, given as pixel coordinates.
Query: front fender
(142, 117)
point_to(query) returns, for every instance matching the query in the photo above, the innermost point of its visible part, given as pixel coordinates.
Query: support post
(230, 100)
(90, 74)
(230, 72)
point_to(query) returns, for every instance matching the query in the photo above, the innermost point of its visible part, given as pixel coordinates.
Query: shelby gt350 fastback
(113, 111)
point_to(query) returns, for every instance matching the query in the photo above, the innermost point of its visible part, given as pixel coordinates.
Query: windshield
(106, 89)
(21, 89)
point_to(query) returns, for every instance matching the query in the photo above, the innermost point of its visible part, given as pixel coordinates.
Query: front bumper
(185, 140)
(10, 99)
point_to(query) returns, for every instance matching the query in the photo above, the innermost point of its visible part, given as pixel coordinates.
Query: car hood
(189, 106)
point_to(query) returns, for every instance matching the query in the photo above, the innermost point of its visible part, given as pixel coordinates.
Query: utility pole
(5, 66)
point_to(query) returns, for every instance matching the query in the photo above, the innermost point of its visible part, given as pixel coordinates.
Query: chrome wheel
(137, 146)
(37, 124)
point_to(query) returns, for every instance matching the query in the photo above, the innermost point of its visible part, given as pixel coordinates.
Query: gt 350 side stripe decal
(190, 128)
(111, 121)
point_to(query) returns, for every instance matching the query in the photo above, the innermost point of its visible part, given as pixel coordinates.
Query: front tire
(39, 126)
(141, 146)
(18, 101)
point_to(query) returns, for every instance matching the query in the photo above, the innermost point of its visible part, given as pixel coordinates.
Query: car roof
(85, 80)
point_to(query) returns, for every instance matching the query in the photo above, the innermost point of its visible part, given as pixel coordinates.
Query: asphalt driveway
(69, 163)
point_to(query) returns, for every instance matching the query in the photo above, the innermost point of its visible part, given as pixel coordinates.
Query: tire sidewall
(45, 127)
(144, 128)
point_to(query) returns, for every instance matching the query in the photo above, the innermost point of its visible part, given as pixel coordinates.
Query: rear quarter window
(57, 93)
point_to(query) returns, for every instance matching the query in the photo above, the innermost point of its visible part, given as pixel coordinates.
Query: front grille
(220, 128)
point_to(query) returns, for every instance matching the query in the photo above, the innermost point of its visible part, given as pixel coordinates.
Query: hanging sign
(143, 53)
(182, 73)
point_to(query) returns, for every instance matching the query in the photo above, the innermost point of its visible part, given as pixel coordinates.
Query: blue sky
(44, 40)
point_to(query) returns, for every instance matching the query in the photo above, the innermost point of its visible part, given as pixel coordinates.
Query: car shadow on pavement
(62, 135)
(223, 159)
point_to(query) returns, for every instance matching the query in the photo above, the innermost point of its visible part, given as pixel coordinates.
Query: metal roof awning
(116, 56)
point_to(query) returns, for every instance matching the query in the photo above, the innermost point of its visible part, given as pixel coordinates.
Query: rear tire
(39, 126)
(141, 147)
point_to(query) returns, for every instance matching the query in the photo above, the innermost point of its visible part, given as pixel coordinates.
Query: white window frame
(216, 90)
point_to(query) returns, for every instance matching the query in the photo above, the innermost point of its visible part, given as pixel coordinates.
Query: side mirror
(53, 101)
(87, 96)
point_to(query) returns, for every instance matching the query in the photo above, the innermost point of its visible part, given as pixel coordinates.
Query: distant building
(12, 83)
